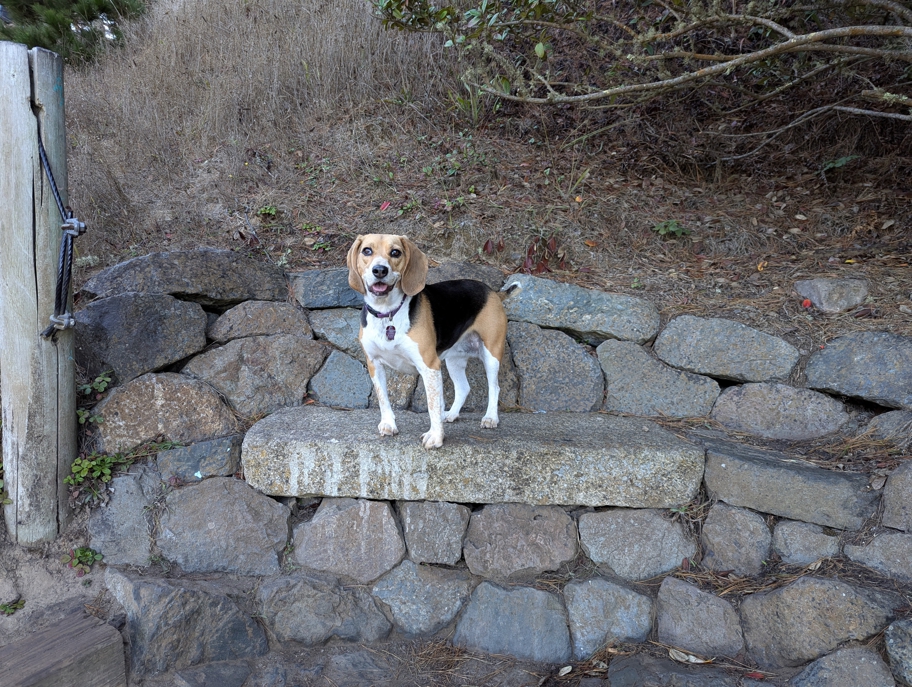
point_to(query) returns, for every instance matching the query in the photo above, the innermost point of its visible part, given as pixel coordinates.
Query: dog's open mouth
(380, 289)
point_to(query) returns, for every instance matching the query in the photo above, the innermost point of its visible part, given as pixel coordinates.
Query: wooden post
(37, 379)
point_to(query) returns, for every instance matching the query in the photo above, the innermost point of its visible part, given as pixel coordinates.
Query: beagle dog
(409, 325)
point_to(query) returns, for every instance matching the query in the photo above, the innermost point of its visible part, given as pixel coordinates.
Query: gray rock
(162, 406)
(635, 544)
(119, 530)
(889, 553)
(601, 612)
(350, 537)
(801, 543)
(217, 278)
(259, 318)
(638, 384)
(874, 366)
(310, 609)
(894, 426)
(401, 388)
(850, 667)
(772, 482)
(339, 326)
(777, 411)
(215, 458)
(422, 599)
(555, 372)
(809, 618)
(433, 530)
(342, 382)
(260, 374)
(317, 289)
(170, 626)
(522, 622)
(833, 295)
(725, 349)
(589, 314)
(735, 539)
(898, 639)
(696, 621)
(642, 670)
(359, 668)
(477, 400)
(568, 459)
(221, 673)
(486, 274)
(222, 525)
(898, 498)
(512, 540)
(135, 333)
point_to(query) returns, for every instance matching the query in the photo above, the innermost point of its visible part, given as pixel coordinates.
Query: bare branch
(899, 10)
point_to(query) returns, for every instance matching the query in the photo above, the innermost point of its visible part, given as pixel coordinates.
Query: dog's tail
(509, 289)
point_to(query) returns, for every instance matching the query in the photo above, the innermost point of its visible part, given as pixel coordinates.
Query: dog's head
(379, 264)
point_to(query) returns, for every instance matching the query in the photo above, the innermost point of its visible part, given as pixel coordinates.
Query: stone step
(588, 459)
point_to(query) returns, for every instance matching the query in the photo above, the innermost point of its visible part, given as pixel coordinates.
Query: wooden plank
(39, 429)
(79, 650)
(49, 105)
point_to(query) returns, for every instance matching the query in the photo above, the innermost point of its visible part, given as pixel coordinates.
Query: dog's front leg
(387, 426)
(433, 388)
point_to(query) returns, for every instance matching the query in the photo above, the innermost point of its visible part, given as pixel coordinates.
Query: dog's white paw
(388, 429)
(489, 422)
(432, 439)
(450, 416)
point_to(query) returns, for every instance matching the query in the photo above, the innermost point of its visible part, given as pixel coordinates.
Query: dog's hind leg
(492, 372)
(456, 366)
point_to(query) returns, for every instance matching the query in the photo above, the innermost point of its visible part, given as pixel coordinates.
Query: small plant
(411, 205)
(283, 260)
(267, 211)
(321, 245)
(10, 607)
(836, 164)
(636, 283)
(81, 559)
(86, 416)
(309, 228)
(671, 226)
(99, 385)
(95, 466)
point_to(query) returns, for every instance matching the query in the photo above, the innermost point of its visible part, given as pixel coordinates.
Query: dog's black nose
(380, 271)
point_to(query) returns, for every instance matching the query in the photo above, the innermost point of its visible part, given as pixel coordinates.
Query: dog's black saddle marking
(454, 306)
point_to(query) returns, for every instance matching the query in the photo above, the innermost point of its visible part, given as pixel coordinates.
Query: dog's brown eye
(367, 251)
(395, 253)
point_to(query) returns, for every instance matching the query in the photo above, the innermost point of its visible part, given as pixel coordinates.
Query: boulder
(874, 366)
(311, 609)
(486, 274)
(221, 673)
(635, 544)
(317, 289)
(889, 553)
(773, 482)
(135, 333)
(833, 295)
(259, 318)
(898, 498)
(213, 278)
(801, 543)
(555, 372)
(423, 599)
(522, 622)
(809, 618)
(512, 540)
(342, 382)
(222, 525)
(894, 426)
(638, 384)
(642, 670)
(735, 539)
(586, 313)
(339, 326)
(164, 406)
(849, 667)
(433, 530)
(696, 621)
(260, 374)
(120, 530)
(602, 612)
(777, 411)
(898, 639)
(350, 537)
(173, 625)
(725, 349)
(215, 458)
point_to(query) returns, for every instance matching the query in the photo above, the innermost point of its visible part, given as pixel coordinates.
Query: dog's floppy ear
(354, 278)
(414, 276)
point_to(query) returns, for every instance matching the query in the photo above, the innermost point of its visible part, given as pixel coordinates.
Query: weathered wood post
(37, 380)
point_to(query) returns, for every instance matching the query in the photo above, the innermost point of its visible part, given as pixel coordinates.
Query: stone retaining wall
(777, 563)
